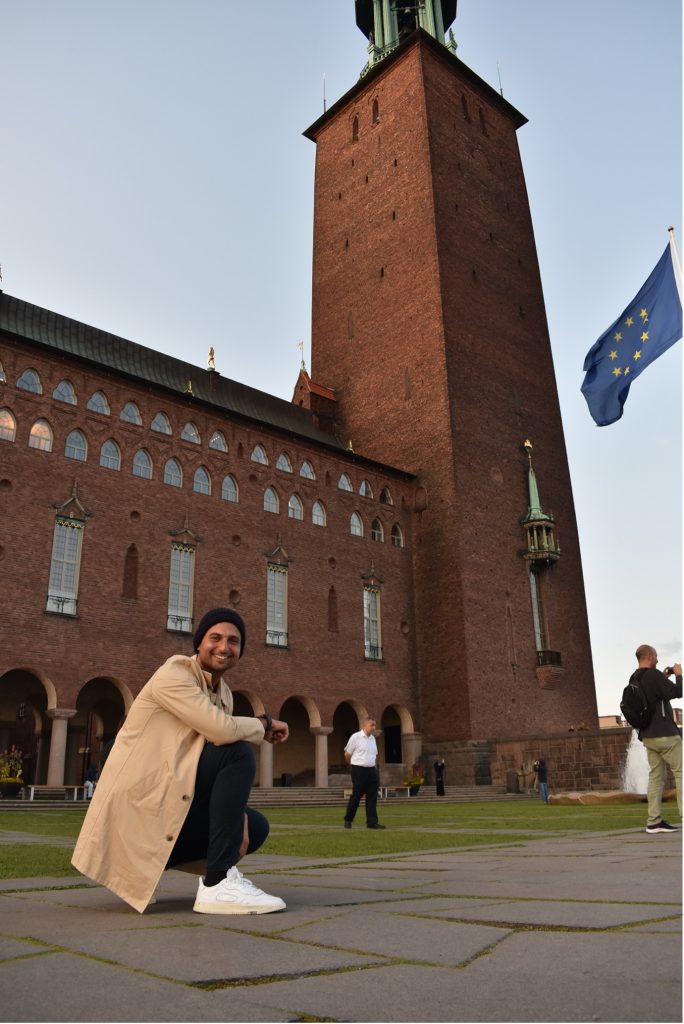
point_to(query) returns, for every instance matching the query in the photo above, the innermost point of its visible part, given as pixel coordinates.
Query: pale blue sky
(155, 183)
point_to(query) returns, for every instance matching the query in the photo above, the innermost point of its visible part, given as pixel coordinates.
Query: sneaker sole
(234, 908)
(661, 831)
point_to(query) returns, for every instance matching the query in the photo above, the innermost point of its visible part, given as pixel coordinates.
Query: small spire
(188, 387)
(300, 346)
(211, 365)
(350, 446)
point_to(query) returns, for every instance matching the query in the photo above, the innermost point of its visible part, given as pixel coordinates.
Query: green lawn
(317, 831)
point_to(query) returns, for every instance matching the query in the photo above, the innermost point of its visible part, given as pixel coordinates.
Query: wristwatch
(268, 721)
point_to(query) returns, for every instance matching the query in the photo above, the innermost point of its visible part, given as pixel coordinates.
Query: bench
(382, 793)
(56, 792)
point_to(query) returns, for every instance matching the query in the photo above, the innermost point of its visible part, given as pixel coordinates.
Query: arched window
(344, 483)
(259, 455)
(295, 509)
(76, 446)
(190, 433)
(284, 463)
(64, 392)
(30, 381)
(377, 532)
(3, 378)
(356, 525)
(161, 424)
(376, 111)
(142, 464)
(131, 414)
(202, 481)
(130, 575)
(173, 474)
(110, 456)
(397, 536)
(307, 470)
(386, 497)
(229, 488)
(355, 129)
(318, 513)
(270, 500)
(8, 425)
(41, 436)
(365, 489)
(218, 441)
(98, 403)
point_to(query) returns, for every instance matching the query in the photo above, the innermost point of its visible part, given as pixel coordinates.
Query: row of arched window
(76, 447)
(29, 380)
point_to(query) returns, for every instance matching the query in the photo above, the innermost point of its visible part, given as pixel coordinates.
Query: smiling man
(175, 786)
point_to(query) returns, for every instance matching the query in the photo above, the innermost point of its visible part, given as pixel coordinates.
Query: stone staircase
(305, 796)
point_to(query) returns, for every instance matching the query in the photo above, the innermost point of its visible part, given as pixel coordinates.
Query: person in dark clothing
(661, 736)
(542, 778)
(440, 768)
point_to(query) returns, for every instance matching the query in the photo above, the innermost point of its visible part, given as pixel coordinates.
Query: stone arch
(347, 718)
(396, 724)
(246, 704)
(101, 704)
(26, 694)
(294, 762)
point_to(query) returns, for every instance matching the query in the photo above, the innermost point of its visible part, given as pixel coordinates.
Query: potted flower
(415, 780)
(10, 772)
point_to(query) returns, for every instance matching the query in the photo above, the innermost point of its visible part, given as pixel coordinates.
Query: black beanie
(215, 616)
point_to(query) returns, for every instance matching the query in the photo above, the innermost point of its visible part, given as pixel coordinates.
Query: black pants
(364, 780)
(215, 822)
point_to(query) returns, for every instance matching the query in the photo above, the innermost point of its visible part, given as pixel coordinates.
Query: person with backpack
(657, 729)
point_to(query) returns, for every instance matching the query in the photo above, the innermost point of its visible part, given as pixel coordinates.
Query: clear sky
(155, 183)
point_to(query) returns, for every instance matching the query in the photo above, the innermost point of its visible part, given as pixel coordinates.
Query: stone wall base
(586, 760)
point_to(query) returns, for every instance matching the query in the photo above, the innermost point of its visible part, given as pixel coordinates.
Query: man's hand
(677, 669)
(278, 732)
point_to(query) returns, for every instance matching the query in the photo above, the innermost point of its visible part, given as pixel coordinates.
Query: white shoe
(235, 894)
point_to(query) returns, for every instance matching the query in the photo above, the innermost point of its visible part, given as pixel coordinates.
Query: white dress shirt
(363, 749)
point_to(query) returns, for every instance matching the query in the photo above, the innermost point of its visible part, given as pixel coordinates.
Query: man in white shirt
(361, 753)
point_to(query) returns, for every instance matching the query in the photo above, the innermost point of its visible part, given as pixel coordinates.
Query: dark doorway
(392, 744)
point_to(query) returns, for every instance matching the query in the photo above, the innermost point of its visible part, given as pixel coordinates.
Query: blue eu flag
(651, 323)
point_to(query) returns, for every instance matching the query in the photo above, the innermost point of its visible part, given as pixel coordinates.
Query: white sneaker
(235, 894)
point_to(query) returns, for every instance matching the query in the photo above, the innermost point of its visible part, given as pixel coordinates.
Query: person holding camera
(661, 737)
(541, 772)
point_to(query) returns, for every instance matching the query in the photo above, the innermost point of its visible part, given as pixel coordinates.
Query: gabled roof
(101, 349)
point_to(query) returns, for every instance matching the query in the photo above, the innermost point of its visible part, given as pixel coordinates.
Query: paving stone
(62, 987)
(570, 915)
(433, 941)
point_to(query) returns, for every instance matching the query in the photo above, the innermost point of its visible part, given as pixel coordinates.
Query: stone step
(307, 796)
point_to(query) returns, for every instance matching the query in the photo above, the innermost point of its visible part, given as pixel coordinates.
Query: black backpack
(634, 707)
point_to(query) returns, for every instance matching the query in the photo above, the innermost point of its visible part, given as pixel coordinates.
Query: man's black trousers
(364, 781)
(215, 822)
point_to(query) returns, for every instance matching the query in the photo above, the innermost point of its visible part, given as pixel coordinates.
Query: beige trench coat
(148, 780)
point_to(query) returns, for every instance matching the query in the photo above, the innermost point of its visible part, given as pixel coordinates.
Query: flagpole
(676, 265)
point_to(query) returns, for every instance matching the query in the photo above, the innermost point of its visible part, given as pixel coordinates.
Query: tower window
(98, 403)
(318, 514)
(76, 446)
(344, 483)
(201, 483)
(181, 584)
(229, 489)
(110, 456)
(142, 465)
(30, 381)
(64, 392)
(259, 455)
(8, 425)
(41, 436)
(371, 623)
(276, 606)
(190, 433)
(376, 111)
(355, 131)
(377, 532)
(397, 536)
(218, 442)
(356, 525)
(161, 423)
(173, 474)
(131, 414)
(65, 566)
(295, 509)
(270, 500)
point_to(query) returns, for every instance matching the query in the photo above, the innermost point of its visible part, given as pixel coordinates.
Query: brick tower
(429, 326)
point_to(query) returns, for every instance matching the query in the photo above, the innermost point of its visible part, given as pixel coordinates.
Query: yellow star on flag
(644, 315)
(613, 354)
(617, 372)
(644, 336)
(618, 336)
(637, 355)
(629, 321)
(626, 370)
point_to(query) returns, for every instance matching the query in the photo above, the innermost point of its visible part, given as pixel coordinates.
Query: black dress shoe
(377, 825)
(347, 824)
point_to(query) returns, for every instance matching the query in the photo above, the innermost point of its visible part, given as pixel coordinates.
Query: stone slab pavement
(573, 928)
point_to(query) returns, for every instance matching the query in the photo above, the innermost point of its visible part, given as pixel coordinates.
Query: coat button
(185, 796)
(169, 839)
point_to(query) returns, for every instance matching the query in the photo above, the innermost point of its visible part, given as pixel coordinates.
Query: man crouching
(175, 786)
